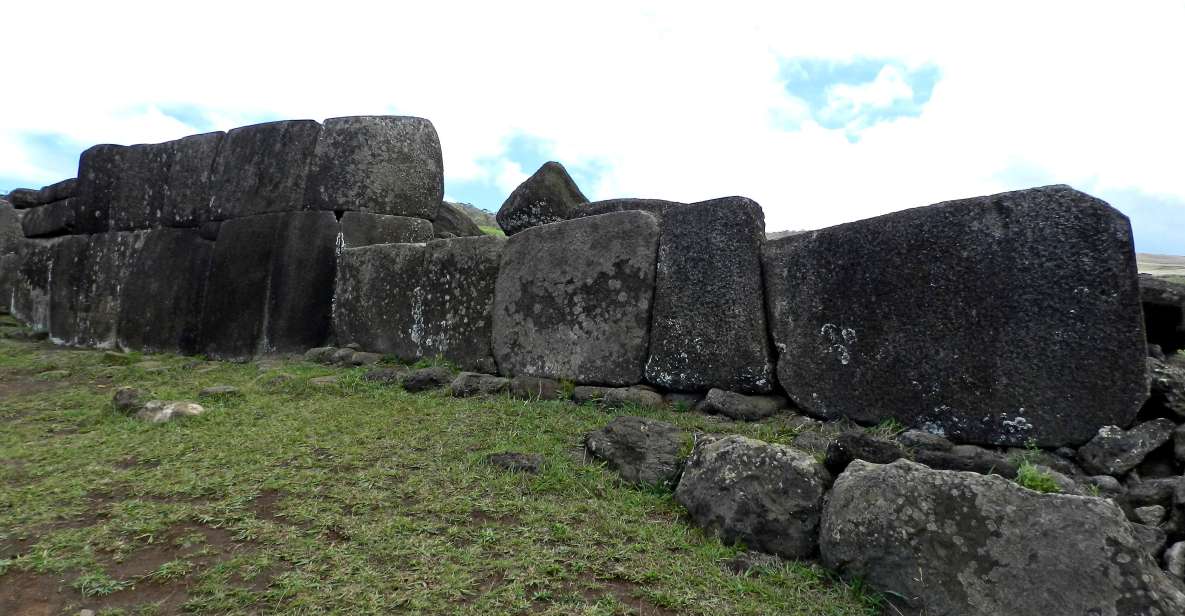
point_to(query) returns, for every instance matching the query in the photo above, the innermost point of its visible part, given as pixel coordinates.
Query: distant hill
(1162, 266)
(478, 215)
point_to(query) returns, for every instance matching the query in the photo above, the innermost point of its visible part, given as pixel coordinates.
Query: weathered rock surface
(381, 164)
(768, 496)
(573, 299)
(657, 207)
(163, 313)
(31, 282)
(99, 170)
(548, 196)
(476, 384)
(921, 315)
(164, 184)
(1167, 388)
(526, 387)
(366, 229)
(450, 218)
(643, 451)
(421, 300)
(425, 379)
(88, 275)
(51, 219)
(959, 543)
(859, 445)
(320, 355)
(1115, 451)
(22, 198)
(582, 394)
(514, 462)
(708, 326)
(127, 400)
(263, 169)
(621, 397)
(270, 286)
(160, 411)
(917, 439)
(739, 406)
(64, 189)
(968, 458)
(1174, 560)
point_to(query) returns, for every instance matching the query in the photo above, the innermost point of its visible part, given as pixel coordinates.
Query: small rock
(642, 451)
(127, 400)
(739, 406)
(588, 393)
(517, 462)
(220, 390)
(917, 440)
(535, 388)
(320, 355)
(476, 384)
(1152, 539)
(115, 358)
(160, 411)
(386, 376)
(428, 378)
(365, 359)
(968, 458)
(1115, 451)
(323, 381)
(813, 441)
(342, 357)
(620, 397)
(860, 445)
(1151, 515)
(1174, 560)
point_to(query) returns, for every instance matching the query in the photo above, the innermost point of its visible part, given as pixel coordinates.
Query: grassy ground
(357, 498)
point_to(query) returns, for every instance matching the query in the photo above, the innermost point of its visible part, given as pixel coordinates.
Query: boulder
(582, 394)
(530, 463)
(138, 198)
(548, 196)
(768, 496)
(342, 357)
(385, 376)
(22, 198)
(939, 542)
(643, 451)
(365, 229)
(421, 300)
(1115, 451)
(450, 218)
(31, 283)
(425, 379)
(89, 276)
(921, 316)
(1160, 491)
(1174, 560)
(739, 406)
(160, 411)
(270, 287)
(620, 397)
(476, 384)
(58, 191)
(127, 400)
(1151, 515)
(917, 439)
(99, 170)
(1167, 387)
(163, 313)
(968, 458)
(364, 358)
(535, 388)
(262, 169)
(320, 355)
(708, 326)
(860, 445)
(573, 299)
(657, 207)
(380, 164)
(51, 219)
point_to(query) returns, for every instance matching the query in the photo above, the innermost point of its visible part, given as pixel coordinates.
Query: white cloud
(890, 86)
(673, 100)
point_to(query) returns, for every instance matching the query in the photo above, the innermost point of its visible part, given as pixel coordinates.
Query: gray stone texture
(88, 273)
(535, 388)
(623, 397)
(657, 207)
(643, 451)
(166, 184)
(425, 379)
(450, 218)
(477, 384)
(958, 543)
(31, 283)
(708, 326)
(1115, 451)
(366, 229)
(51, 219)
(58, 191)
(770, 497)
(99, 171)
(548, 196)
(1166, 388)
(11, 233)
(22, 198)
(983, 318)
(262, 169)
(381, 164)
(163, 292)
(573, 299)
(739, 406)
(270, 287)
(421, 300)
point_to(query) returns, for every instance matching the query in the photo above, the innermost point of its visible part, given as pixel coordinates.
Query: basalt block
(262, 169)
(421, 300)
(1008, 319)
(88, 273)
(100, 169)
(381, 164)
(270, 288)
(657, 207)
(31, 283)
(162, 313)
(573, 299)
(549, 195)
(51, 219)
(708, 329)
(365, 229)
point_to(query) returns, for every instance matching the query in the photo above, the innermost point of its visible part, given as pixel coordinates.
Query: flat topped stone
(381, 164)
(263, 169)
(366, 229)
(549, 195)
(573, 299)
(1006, 319)
(658, 207)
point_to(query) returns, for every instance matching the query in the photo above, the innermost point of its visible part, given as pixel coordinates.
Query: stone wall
(1008, 320)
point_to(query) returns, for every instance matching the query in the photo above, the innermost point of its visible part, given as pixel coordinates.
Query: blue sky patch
(527, 152)
(856, 94)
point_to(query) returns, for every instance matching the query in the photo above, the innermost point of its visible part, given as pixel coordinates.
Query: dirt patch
(481, 518)
(266, 506)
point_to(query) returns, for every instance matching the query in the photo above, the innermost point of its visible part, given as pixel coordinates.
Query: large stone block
(549, 195)
(51, 219)
(573, 299)
(165, 184)
(381, 164)
(708, 326)
(450, 218)
(945, 542)
(99, 171)
(190, 179)
(88, 273)
(11, 233)
(262, 169)
(270, 287)
(365, 229)
(658, 207)
(57, 191)
(31, 283)
(163, 292)
(1007, 319)
(421, 300)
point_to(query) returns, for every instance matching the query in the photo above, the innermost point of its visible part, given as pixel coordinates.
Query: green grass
(357, 498)
(492, 230)
(1033, 478)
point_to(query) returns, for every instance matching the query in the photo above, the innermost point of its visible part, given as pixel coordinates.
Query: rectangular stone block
(381, 164)
(88, 273)
(1004, 320)
(708, 327)
(365, 229)
(99, 171)
(163, 291)
(421, 300)
(31, 283)
(573, 299)
(190, 180)
(262, 169)
(51, 219)
(138, 198)
(57, 191)
(270, 285)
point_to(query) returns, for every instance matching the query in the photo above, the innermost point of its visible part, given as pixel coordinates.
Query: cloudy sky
(824, 112)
